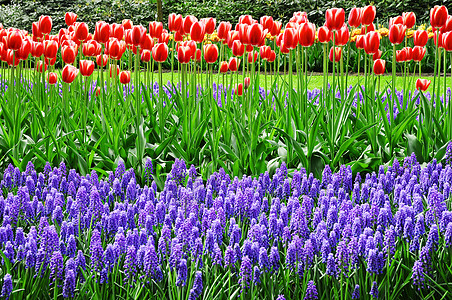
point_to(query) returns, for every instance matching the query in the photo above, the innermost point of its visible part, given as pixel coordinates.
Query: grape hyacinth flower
(246, 272)
(311, 291)
(69, 284)
(418, 275)
(355, 294)
(374, 290)
(7, 287)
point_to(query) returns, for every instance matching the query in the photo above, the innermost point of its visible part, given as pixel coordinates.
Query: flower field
(234, 179)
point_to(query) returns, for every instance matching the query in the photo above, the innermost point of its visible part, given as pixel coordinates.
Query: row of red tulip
(110, 41)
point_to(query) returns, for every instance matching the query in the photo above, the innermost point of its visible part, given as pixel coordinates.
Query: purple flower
(7, 287)
(246, 272)
(130, 264)
(256, 275)
(311, 291)
(56, 266)
(96, 251)
(374, 290)
(418, 275)
(69, 284)
(355, 294)
(181, 273)
(281, 297)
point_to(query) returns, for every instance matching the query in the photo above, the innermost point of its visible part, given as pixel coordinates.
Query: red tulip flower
(342, 36)
(210, 24)
(306, 34)
(127, 24)
(188, 22)
(447, 41)
(238, 49)
(52, 78)
(422, 84)
(252, 57)
(377, 55)
(369, 28)
(448, 25)
(246, 19)
(160, 52)
(102, 32)
(155, 29)
(290, 38)
(137, 35)
(37, 49)
(98, 91)
(264, 52)
(197, 55)
(86, 67)
(368, 15)
(418, 53)
(114, 49)
(24, 50)
(276, 29)
(239, 89)
(234, 64)
(337, 52)
(255, 34)
(401, 55)
(69, 73)
(37, 34)
(335, 18)
(164, 38)
(223, 30)
(438, 16)
(14, 39)
(360, 39)
(174, 22)
(355, 17)
(224, 67)
(124, 77)
(117, 31)
(68, 54)
(50, 61)
(272, 56)
(409, 19)
(11, 58)
(102, 60)
(420, 38)
(397, 33)
(41, 67)
(246, 83)
(197, 32)
(267, 22)
(145, 55)
(70, 18)
(50, 48)
(438, 39)
(184, 54)
(379, 66)
(324, 35)
(371, 42)
(45, 24)
(81, 31)
(210, 53)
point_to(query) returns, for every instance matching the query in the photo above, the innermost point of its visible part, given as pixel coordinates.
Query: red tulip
(232, 36)
(447, 41)
(114, 49)
(276, 29)
(448, 25)
(197, 55)
(409, 53)
(210, 53)
(160, 52)
(117, 31)
(246, 19)
(50, 61)
(224, 67)
(69, 73)
(247, 83)
(401, 55)
(164, 38)
(355, 17)
(37, 34)
(127, 24)
(418, 53)
(137, 34)
(397, 33)
(267, 23)
(188, 22)
(438, 16)
(210, 24)
(192, 46)
(197, 32)
(335, 18)
(271, 58)
(14, 39)
(124, 77)
(24, 49)
(70, 18)
(52, 78)
(367, 29)
(306, 34)
(41, 67)
(98, 91)
(252, 57)
(342, 36)
(37, 49)
(50, 48)
(422, 84)
(178, 37)
(255, 34)
(223, 30)
(420, 38)
(174, 22)
(324, 35)
(184, 54)
(438, 39)
(371, 42)
(239, 89)
(396, 20)
(155, 29)
(68, 54)
(377, 55)
(145, 55)
(238, 48)
(86, 67)
(102, 32)
(45, 24)
(264, 52)
(102, 60)
(409, 19)
(368, 15)
(234, 64)
(337, 54)
(379, 66)
(290, 38)
(81, 31)
(12, 58)
(242, 30)
(360, 41)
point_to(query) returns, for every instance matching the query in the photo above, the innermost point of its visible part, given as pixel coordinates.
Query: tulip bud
(224, 67)
(234, 64)
(379, 66)
(69, 73)
(422, 84)
(247, 83)
(45, 24)
(335, 18)
(98, 91)
(368, 15)
(86, 67)
(160, 52)
(239, 89)
(124, 77)
(70, 18)
(52, 78)
(337, 52)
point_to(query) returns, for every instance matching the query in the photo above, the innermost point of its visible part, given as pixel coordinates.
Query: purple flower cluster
(253, 227)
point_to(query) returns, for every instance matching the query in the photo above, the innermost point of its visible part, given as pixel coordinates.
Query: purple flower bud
(355, 294)
(374, 290)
